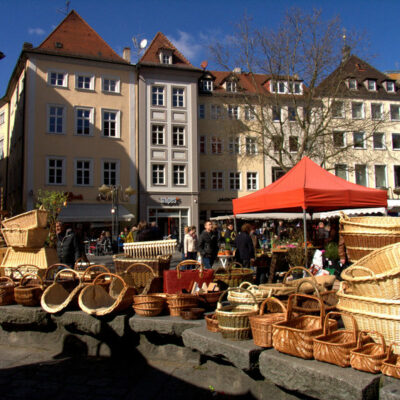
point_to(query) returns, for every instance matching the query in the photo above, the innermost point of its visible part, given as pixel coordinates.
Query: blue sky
(191, 25)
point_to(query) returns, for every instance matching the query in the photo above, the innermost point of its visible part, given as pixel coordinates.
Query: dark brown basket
(212, 322)
(158, 265)
(28, 293)
(7, 286)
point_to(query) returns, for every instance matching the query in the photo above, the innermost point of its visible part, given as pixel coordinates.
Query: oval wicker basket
(212, 322)
(391, 364)
(139, 276)
(147, 305)
(29, 293)
(237, 296)
(178, 302)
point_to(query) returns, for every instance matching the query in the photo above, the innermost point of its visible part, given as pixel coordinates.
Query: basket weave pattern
(178, 302)
(391, 364)
(6, 291)
(29, 220)
(31, 238)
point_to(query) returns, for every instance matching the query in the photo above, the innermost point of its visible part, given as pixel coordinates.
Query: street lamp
(115, 193)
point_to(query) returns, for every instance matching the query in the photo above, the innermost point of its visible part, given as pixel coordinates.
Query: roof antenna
(139, 45)
(64, 10)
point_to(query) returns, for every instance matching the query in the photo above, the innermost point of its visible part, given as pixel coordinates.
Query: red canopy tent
(307, 187)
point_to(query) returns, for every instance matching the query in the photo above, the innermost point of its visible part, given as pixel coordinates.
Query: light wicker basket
(377, 274)
(237, 296)
(178, 302)
(233, 275)
(31, 238)
(29, 220)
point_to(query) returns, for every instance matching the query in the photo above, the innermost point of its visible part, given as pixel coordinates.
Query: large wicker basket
(140, 276)
(31, 238)
(158, 264)
(377, 274)
(362, 235)
(29, 220)
(233, 276)
(29, 291)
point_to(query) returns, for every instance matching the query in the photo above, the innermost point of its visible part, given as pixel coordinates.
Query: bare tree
(299, 91)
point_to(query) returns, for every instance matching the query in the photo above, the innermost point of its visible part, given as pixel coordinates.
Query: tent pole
(234, 223)
(305, 237)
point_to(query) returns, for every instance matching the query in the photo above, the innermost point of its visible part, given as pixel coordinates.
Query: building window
(85, 82)
(361, 174)
(276, 113)
(203, 144)
(203, 180)
(216, 111)
(277, 173)
(55, 171)
(379, 141)
(231, 86)
(178, 97)
(251, 179)
(217, 180)
(110, 173)
(56, 119)
(339, 139)
(380, 176)
(157, 95)
(1, 149)
(110, 123)
(358, 140)
(295, 87)
(352, 84)
(357, 110)
(281, 87)
(179, 175)
(394, 112)
(390, 87)
(396, 171)
(110, 85)
(234, 145)
(158, 174)
(371, 85)
(292, 114)
(178, 136)
(1, 118)
(251, 146)
(341, 171)
(293, 144)
(83, 172)
(83, 121)
(216, 145)
(277, 143)
(206, 85)
(233, 112)
(396, 141)
(376, 111)
(166, 58)
(249, 114)
(59, 79)
(157, 135)
(338, 109)
(234, 181)
(202, 111)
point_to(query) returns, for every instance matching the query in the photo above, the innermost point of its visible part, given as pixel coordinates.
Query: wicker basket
(377, 274)
(234, 275)
(29, 292)
(362, 235)
(139, 276)
(212, 322)
(295, 335)
(178, 302)
(209, 300)
(334, 347)
(239, 297)
(7, 286)
(31, 238)
(29, 220)
(368, 355)
(158, 264)
(261, 325)
(147, 305)
(391, 364)
(233, 320)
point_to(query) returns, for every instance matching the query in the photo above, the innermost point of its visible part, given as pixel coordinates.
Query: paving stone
(19, 315)
(242, 354)
(390, 389)
(165, 325)
(317, 379)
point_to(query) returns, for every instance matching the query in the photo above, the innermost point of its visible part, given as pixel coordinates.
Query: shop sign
(170, 201)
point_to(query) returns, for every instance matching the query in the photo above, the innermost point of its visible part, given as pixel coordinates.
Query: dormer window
(206, 85)
(166, 57)
(285, 87)
(390, 86)
(371, 85)
(352, 84)
(231, 86)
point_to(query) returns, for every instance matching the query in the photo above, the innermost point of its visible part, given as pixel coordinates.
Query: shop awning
(92, 213)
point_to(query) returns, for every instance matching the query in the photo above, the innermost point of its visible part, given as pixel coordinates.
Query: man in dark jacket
(244, 246)
(68, 249)
(208, 245)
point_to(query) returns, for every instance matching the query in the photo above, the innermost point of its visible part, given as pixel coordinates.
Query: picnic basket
(29, 291)
(377, 274)
(261, 325)
(391, 363)
(7, 286)
(29, 220)
(295, 335)
(20, 237)
(368, 355)
(178, 302)
(233, 275)
(233, 320)
(140, 276)
(147, 305)
(334, 346)
(212, 322)
(362, 235)
(94, 299)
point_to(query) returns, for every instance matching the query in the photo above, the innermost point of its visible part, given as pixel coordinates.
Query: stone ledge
(24, 316)
(390, 389)
(242, 354)
(318, 379)
(164, 325)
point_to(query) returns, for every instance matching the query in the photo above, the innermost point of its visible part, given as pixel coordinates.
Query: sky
(191, 25)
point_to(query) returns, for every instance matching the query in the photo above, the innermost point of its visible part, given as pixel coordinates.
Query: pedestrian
(244, 247)
(181, 244)
(190, 244)
(155, 231)
(68, 248)
(208, 245)
(144, 234)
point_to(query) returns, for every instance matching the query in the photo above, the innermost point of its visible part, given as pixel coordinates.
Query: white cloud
(187, 44)
(36, 31)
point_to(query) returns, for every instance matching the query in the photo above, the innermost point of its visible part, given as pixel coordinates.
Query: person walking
(190, 244)
(244, 246)
(68, 249)
(208, 245)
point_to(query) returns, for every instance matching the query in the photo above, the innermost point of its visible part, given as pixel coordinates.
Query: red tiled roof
(76, 38)
(160, 42)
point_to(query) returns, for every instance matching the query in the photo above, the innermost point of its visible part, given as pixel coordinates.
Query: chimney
(27, 46)
(126, 54)
(237, 70)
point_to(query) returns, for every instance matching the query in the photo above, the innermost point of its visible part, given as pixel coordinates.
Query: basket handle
(13, 270)
(198, 264)
(353, 268)
(6, 278)
(109, 274)
(353, 322)
(361, 333)
(389, 351)
(315, 287)
(66, 270)
(24, 277)
(219, 305)
(272, 300)
(28, 265)
(290, 272)
(343, 216)
(80, 259)
(140, 265)
(54, 266)
(248, 285)
(92, 267)
(235, 265)
(293, 296)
